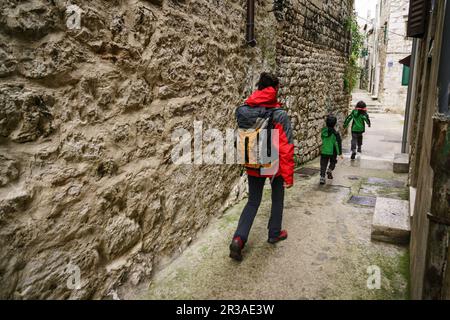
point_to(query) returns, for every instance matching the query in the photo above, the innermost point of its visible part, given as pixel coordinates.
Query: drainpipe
(444, 68)
(408, 97)
(250, 35)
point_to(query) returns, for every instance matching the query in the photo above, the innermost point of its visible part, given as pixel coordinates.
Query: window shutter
(405, 75)
(417, 18)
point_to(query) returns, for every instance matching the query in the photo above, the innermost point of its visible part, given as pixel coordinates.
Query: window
(405, 75)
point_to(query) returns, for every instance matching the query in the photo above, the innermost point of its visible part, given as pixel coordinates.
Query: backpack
(254, 139)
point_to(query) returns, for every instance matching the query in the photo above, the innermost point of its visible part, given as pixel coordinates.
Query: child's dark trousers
(324, 161)
(357, 141)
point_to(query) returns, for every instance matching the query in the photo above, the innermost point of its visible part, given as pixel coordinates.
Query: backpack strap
(270, 112)
(269, 131)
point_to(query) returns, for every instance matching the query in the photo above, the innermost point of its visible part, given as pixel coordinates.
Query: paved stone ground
(328, 250)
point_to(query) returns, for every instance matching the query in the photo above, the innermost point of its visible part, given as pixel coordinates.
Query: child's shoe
(283, 236)
(322, 180)
(330, 174)
(236, 247)
(359, 149)
(353, 155)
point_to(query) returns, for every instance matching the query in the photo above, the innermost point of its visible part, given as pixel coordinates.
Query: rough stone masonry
(86, 117)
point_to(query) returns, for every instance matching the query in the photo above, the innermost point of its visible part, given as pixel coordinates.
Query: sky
(362, 6)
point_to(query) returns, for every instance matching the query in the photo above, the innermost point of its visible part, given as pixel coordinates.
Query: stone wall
(86, 178)
(312, 57)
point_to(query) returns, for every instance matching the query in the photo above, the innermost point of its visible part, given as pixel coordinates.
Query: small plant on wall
(297, 161)
(281, 9)
(352, 71)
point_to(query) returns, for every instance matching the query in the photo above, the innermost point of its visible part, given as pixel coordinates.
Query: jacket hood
(326, 132)
(357, 112)
(266, 97)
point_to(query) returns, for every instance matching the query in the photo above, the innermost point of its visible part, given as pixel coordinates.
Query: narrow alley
(131, 132)
(329, 249)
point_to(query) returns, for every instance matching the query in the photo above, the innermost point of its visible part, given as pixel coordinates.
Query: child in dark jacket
(331, 148)
(359, 118)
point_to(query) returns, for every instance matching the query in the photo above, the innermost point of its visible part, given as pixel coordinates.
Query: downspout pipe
(408, 97)
(250, 33)
(444, 68)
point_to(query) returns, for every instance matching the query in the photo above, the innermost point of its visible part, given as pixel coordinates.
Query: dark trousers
(255, 189)
(324, 160)
(357, 140)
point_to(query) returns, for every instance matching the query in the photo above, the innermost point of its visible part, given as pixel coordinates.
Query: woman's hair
(267, 80)
(331, 121)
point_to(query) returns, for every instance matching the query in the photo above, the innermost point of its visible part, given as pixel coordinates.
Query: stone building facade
(387, 45)
(398, 46)
(88, 190)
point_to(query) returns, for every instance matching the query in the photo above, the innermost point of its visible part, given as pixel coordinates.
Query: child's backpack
(254, 139)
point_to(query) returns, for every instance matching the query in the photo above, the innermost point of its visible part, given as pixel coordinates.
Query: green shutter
(405, 76)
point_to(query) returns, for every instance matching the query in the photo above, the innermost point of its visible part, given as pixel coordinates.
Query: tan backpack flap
(248, 147)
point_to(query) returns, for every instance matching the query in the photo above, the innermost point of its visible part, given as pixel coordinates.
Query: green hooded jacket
(359, 121)
(331, 142)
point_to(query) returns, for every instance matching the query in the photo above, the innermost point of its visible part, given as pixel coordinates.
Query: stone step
(401, 163)
(369, 109)
(353, 104)
(378, 110)
(368, 102)
(391, 221)
(374, 106)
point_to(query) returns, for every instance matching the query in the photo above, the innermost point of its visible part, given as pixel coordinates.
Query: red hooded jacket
(268, 98)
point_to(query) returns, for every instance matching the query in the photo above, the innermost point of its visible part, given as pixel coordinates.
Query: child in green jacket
(360, 118)
(331, 148)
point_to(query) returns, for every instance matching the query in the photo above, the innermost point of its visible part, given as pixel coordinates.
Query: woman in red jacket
(266, 96)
